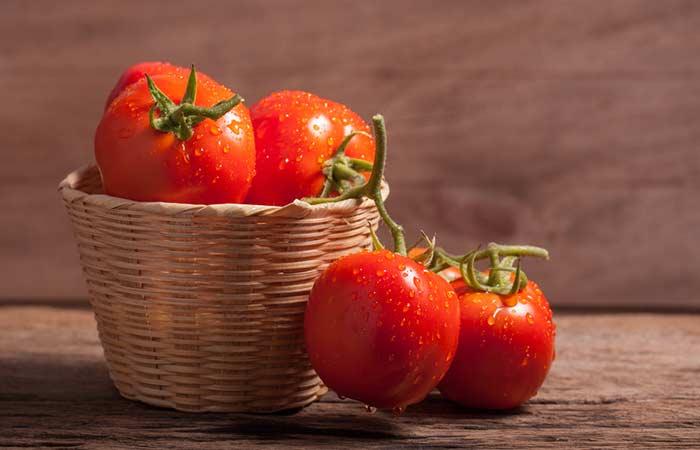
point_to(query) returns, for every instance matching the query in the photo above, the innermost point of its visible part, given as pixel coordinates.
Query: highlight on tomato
(379, 327)
(176, 138)
(303, 141)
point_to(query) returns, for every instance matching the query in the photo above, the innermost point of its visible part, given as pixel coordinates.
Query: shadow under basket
(201, 308)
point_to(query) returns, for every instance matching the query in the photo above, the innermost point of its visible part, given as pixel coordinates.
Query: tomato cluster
(382, 327)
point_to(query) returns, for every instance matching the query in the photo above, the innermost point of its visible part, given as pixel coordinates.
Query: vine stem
(373, 187)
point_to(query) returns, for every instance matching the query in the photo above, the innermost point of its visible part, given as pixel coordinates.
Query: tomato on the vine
(199, 149)
(381, 329)
(295, 134)
(506, 342)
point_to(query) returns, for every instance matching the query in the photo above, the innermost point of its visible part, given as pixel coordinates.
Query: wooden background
(569, 124)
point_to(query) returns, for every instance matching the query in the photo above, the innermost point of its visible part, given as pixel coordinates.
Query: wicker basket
(200, 308)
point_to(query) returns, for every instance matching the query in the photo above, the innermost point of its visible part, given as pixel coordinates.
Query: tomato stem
(498, 281)
(181, 119)
(373, 187)
(340, 169)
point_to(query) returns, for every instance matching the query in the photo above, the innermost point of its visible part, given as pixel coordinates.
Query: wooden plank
(619, 380)
(567, 124)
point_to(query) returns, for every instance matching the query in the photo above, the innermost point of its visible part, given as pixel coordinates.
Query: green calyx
(181, 119)
(342, 172)
(504, 261)
(373, 187)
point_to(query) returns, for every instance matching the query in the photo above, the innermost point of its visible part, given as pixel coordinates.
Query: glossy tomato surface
(295, 133)
(380, 329)
(216, 165)
(506, 348)
(137, 72)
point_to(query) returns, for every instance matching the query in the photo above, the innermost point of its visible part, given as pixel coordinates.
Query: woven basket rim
(296, 209)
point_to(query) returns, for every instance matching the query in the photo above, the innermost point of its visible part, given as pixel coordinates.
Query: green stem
(343, 172)
(501, 258)
(333, 168)
(360, 164)
(181, 119)
(373, 187)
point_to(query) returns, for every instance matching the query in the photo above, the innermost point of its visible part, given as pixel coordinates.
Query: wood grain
(619, 380)
(571, 124)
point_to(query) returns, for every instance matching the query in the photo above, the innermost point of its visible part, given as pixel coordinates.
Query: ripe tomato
(138, 72)
(215, 165)
(295, 133)
(381, 329)
(506, 347)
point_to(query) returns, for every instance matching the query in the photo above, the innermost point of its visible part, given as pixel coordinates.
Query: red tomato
(138, 72)
(215, 165)
(381, 329)
(295, 133)
(506, 347)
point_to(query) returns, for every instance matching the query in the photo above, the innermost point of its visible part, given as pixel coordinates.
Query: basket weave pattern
(200, 308)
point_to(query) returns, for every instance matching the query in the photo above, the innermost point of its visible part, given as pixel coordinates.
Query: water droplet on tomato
(406, 307)
(355, 271)
(381, 272)
(529, 318)
(226, 149)
(411, 293)
(198, 151)
(213, 129)
(491, 320)
(448, 358)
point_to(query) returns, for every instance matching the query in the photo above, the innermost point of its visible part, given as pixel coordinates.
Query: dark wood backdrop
(569, 124)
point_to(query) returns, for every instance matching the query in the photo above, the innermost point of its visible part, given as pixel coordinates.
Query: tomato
(138, 72)
(295, 133)
(506, 348)
(204, 161)
(381, 329)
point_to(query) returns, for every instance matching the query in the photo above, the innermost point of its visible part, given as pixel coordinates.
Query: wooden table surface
(619, 380)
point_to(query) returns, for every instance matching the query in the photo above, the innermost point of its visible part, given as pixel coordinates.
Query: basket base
(286, 408)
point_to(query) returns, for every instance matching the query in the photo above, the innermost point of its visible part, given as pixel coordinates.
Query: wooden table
(620, 380)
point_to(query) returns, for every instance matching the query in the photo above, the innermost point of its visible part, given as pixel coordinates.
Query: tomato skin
(381, 329)
(295, 133)
(137, 72)
(504, 352)
(139, 163)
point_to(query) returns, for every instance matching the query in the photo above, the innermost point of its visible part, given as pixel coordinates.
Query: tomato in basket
(137, 72)
(295, 134)
(176, 138)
